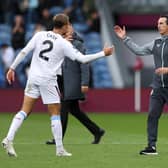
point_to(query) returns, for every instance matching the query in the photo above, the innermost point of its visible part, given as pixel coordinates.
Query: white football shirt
(47, 56)
(49, 50)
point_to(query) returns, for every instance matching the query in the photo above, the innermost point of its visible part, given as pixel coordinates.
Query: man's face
(64, 29)
(69, 30)
(163, 26)
(69, 34)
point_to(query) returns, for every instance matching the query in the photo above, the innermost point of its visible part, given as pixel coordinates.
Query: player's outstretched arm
(74, 54)
(107, 51)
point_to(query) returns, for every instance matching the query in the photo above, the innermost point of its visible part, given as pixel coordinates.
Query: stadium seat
(80, 27)
(5, 38)
(5, 28)
(101, 75)
(55, 10)
(29, 31)
(93, 42)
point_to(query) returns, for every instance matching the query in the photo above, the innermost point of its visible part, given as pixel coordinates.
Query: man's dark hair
(165, 16)
(60, 20)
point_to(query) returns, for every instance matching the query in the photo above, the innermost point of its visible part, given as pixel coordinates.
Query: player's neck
(58, 31)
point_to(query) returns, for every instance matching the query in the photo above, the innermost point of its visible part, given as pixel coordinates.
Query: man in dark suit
(73, 84)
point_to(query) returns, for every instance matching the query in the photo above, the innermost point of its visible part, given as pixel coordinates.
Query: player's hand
(10, 76)
(108, 50)
(162, 70)
(121, 32)
(84, 89)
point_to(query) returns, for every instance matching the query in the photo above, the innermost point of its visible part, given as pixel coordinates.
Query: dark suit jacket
(74, 73)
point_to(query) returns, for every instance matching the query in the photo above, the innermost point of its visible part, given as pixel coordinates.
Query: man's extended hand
(121, 32)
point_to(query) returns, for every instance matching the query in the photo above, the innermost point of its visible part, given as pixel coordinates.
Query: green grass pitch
(125, 136)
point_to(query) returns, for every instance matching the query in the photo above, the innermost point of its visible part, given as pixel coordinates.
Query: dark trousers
(72, 106)
(158, 98)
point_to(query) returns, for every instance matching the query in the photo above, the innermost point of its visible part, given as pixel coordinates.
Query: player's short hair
(60, 20)
(165, 16)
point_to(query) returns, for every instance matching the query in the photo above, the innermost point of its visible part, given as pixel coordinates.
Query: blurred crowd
(20, 19)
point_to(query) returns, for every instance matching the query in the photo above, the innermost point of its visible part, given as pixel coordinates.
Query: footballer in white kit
(46, 63)
(49, 49)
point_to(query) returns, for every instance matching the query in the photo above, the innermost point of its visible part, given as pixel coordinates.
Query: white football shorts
(50, 94)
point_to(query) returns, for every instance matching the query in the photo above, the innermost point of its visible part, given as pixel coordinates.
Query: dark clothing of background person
(75, 75)
(18, 33)
(18, 42)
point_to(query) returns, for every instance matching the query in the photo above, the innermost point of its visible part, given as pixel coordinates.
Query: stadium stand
(83, 22)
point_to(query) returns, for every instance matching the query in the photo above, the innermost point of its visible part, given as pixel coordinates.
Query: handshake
(108, 50)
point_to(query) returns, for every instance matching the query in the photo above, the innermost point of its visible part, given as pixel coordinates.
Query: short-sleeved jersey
(48, 56)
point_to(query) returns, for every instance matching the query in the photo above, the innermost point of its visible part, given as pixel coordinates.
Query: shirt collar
(164, 37)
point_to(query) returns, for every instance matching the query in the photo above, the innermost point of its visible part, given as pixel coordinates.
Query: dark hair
(165, 16)
(60, 20)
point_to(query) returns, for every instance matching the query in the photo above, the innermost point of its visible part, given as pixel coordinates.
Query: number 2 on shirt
(43, 52)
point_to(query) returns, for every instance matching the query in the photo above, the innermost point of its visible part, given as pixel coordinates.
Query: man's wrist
(125, 39)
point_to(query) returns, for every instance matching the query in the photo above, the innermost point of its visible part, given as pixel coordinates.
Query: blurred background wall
(112, 79)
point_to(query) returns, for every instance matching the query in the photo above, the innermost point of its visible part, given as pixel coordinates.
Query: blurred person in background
(18, 33)
(57, 3)
(94, 21)
(18, 42)
(74, 9)
(74, 83)
(29, 8)
(7, 56)
(8, 9)
(46, 19)
(159, 94)
(43, 4)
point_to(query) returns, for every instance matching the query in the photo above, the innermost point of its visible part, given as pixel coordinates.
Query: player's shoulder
(39, 34)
